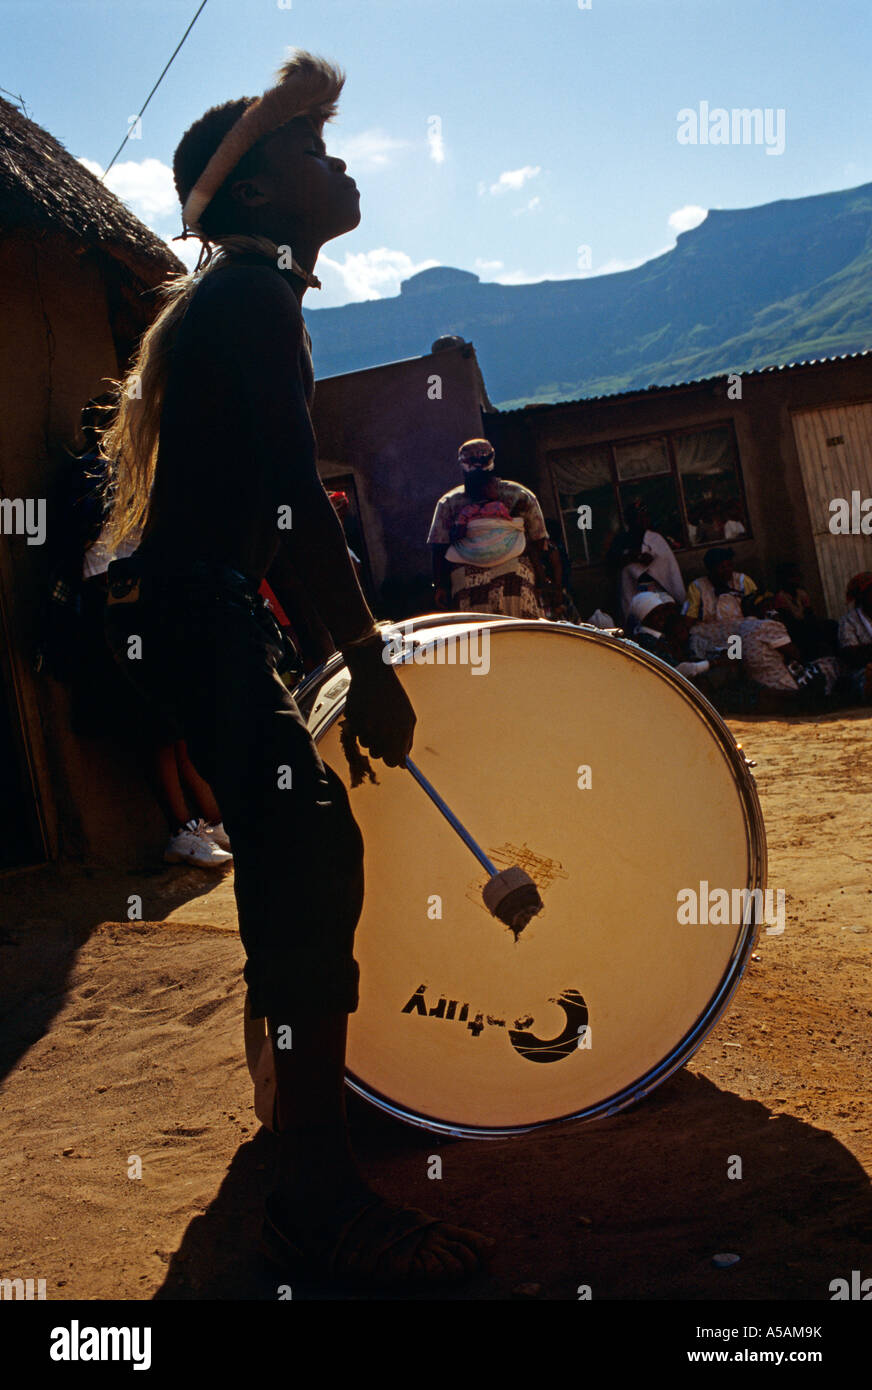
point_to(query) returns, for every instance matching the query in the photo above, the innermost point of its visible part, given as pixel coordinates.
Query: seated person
(639, 552)
(661, 629)
(676, 633)
(717, 602)
(855, 636)
(719, 594)
(648, 612)
(791, 600)
(814, 636)
(773, 662)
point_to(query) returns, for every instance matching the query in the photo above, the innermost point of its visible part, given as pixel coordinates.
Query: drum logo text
(525, 1042)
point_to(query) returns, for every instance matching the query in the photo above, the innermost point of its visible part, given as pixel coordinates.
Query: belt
(132, 576)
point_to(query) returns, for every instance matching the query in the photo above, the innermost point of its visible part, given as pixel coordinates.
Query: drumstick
(510, 895)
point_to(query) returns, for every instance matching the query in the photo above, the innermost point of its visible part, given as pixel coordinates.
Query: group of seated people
(753, 650)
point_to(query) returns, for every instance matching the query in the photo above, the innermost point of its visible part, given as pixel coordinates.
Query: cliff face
(747, 288)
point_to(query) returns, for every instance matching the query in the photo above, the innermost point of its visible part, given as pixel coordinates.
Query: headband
(473, 453)
(307, 86)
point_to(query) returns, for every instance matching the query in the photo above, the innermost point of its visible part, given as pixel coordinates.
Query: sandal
(356, 1251)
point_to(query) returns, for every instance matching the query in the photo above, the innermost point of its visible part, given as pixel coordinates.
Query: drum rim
(735, 968)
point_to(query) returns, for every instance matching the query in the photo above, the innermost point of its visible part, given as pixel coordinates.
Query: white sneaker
(192, 846)
(219, 835)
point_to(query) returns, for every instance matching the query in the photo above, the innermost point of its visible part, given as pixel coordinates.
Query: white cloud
(146, 186)
(485, 266)
(367, 152)
(519, 277)
(533, 204)
(435, 143)
(365, 275)
(514, 179)
(523, 277)
(188, 251)
(686, 218)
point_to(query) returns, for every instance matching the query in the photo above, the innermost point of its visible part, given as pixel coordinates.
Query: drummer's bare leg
(320, 1184)
(316, 1157)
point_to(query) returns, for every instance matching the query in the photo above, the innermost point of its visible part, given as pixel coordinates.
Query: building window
(690, 482)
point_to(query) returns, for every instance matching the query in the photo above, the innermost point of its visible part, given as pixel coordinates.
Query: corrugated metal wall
(835, 455)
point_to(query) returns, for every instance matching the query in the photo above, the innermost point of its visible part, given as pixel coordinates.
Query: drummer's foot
(360, 1236)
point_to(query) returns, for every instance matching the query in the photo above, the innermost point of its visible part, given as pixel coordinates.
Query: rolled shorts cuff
(302, 980)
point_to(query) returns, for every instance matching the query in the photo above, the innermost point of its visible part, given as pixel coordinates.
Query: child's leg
(170, 794)
(203, 794)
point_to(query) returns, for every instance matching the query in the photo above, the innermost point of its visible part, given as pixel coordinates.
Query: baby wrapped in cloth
(486, 535)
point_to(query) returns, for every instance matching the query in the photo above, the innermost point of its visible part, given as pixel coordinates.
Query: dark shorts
(103, 703)
(206, 655)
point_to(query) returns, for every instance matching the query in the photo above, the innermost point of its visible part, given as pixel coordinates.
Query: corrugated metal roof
(681, 385)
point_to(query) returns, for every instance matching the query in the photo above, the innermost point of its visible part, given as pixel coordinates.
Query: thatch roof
(44, 188)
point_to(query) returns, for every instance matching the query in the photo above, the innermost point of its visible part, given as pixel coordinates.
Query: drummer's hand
(440, 597)
(377, 709)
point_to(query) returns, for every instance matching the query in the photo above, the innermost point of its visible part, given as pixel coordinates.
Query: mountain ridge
(747, 288)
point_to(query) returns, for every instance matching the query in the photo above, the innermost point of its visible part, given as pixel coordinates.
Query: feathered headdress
(307, 86)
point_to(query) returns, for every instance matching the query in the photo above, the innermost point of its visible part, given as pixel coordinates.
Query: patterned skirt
(509, 589)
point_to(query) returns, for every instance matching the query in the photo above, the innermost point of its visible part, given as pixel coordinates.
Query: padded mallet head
(513, 897)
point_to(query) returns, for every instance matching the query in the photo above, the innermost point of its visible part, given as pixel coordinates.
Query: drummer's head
(476, 459)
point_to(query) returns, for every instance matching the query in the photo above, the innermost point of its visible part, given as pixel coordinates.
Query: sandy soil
(124, 1039)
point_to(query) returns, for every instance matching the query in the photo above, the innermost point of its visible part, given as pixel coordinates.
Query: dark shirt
(213, 498)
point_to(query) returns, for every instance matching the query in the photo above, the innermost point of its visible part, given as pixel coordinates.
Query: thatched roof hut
(77, 275)
(45, 192)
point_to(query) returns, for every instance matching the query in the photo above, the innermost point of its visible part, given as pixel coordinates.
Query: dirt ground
(124, 1039)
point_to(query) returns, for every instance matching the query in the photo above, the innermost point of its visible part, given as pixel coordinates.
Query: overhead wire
(166, 69)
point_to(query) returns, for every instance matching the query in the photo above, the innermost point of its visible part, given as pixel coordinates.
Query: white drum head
(461, 1027)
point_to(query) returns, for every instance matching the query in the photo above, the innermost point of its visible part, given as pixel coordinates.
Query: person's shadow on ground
(632, 1207)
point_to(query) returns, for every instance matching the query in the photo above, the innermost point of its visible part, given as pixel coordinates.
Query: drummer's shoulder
(250, 291)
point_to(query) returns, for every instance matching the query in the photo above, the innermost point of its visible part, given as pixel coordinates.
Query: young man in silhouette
(236, 498)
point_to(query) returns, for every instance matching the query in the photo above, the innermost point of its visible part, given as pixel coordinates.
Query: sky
(522, 140)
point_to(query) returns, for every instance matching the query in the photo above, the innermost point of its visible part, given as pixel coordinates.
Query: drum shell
(611, 863)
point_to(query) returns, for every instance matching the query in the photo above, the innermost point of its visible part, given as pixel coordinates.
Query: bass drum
(615, 785)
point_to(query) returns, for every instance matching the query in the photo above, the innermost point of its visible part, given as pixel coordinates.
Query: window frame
(668, 436)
